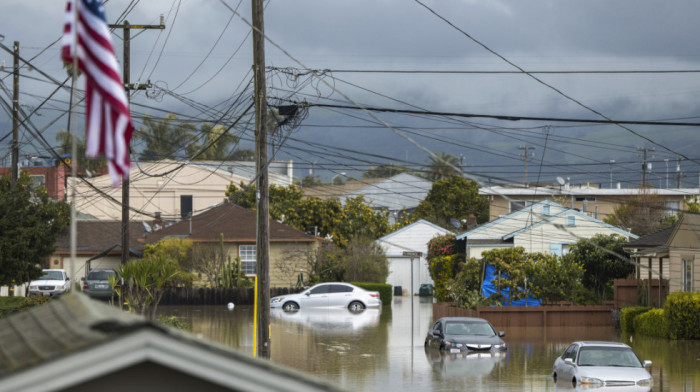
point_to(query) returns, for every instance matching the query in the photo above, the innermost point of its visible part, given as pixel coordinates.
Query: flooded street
(381, 350)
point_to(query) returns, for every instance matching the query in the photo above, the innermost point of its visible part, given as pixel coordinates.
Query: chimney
(471, 219)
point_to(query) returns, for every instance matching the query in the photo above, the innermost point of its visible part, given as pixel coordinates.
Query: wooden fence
(533, 316)
(216, 296)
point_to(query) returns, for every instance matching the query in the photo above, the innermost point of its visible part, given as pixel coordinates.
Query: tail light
(374, 295)
(85, 286)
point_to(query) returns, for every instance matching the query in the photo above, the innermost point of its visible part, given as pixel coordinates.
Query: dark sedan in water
(461, 334)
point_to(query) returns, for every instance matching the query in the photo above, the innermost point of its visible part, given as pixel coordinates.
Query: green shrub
(442, 270)
(173, 321)
(651, 323)
(31, 302)
(627, 316)
(384, 289)
(682, 311)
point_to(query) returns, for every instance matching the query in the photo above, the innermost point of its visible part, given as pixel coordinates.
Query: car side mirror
(647, 364)
(82, 279)
(501, 334)
(437, 333)
(307, 293)
(569, 361)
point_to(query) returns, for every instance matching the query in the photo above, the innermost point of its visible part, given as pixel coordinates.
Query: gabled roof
(411, 238)
(535, 219)
(652, 240)
(235, 222)
(684, 234)
(413, 225)
(94, 237)
(403, 190)
(75, 341)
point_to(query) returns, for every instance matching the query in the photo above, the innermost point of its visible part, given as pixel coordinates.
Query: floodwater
(382, 350)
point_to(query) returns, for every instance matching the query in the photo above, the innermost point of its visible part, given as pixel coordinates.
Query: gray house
(78, 344)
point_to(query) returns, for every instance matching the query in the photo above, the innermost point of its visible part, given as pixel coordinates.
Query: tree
(643, 214)
(243, 154)
(165, 138)
(552, 278)
(442, 166)
(384, 171)
(453, 197)
(30, 223)
(361, 260)
(511, 266)
(216, 144)
(603, 260)
(93, 165)
(309, 182)
(179, 252)
(145, 281)
(360, 220)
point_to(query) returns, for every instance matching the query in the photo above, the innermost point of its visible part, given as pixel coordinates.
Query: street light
(611, 165)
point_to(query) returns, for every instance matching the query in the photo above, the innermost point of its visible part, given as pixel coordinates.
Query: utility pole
(612, 162)
(678, 173)
(645, 165)
(128, 87)
(526, 155)
(262, 241)
(15, 115)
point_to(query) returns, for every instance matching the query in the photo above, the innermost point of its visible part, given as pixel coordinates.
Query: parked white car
(52, 283)
(329, 295)
(602, 364)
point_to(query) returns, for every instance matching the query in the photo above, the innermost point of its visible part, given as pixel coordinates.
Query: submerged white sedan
(602, 364)
(329, 295)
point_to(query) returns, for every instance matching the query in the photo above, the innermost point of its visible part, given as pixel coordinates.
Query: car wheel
(554, 377)
(356, 306)
(290, 307)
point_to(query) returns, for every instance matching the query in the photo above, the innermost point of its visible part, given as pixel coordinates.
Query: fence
(534, 316)
(216, 296)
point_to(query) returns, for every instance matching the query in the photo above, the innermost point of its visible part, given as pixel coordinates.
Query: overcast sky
(597, 35)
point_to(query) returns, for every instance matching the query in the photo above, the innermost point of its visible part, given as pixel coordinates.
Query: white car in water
(602, 364)
(329, 295)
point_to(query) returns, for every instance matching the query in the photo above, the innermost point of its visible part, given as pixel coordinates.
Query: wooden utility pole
(15, 115)
(262, 252)
(126, 70)
(527, 156)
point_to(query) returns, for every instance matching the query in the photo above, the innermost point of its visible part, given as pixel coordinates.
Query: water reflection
(383, 350)
(463, 364)
(567, 386)
(330, 321)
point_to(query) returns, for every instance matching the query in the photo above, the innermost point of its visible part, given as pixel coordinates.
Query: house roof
(582, 191)
(235, 222)
(401, 191)
(94, 237)
(535, 219)
(74, 340)
(325, 192)
(652, 240)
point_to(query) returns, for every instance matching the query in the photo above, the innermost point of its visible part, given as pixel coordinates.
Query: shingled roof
(76, 342)
(97, 236)
(235, 222)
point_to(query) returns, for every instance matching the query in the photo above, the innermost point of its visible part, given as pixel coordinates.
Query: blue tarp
(487, 288)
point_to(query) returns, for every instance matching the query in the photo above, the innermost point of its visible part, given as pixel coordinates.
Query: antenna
(456, 223)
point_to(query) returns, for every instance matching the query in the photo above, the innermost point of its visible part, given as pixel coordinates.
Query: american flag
(109, 126)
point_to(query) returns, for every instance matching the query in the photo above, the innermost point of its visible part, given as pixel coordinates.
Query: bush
(651, 323)
(384, 289)
(627, 316)
(682, 311)
(442, 270)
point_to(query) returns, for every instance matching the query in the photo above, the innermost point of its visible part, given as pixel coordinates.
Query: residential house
(594, 201)
(672, 253)
(407, 269)
(542, 227)
(78, 344)
(49, 173)
(290, 249)
(402, 192)
(170, 189)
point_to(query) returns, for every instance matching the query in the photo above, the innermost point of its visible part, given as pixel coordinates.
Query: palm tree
(442, 166)
(165, 138)
(95, 166)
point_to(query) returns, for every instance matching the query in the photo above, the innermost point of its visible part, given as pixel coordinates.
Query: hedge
(384, 289)
(627, 316)
(651, 323)
(682, 311)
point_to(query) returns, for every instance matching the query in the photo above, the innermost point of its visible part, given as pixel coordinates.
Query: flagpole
(74, 146)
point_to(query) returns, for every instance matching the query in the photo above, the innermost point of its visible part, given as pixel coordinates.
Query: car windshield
(100, 275)
(52, 275)
(608, 356)
(468, 328)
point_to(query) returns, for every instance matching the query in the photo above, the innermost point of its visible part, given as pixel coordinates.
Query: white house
(544, 227)
(412, 238)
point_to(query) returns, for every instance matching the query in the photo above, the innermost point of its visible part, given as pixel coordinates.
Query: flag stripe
(108, 121)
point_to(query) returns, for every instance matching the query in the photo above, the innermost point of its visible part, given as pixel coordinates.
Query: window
(517, 205)
(687, 278)
(325, 289)
(247, 255)
(672, 207)
(340, 288)
(571, 220)
(37, 180)
(546, 210)
(588, 198)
